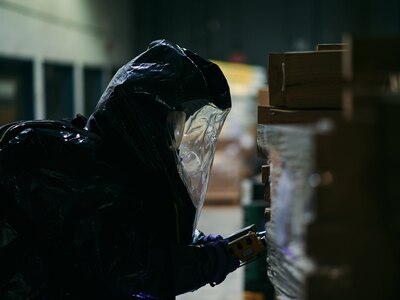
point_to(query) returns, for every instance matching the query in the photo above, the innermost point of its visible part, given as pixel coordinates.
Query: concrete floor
(222, 220)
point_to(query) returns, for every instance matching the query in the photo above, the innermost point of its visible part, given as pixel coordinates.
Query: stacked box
(358, 211)
(304, 86)
(333, 231)
(289, 149)
(307, 79)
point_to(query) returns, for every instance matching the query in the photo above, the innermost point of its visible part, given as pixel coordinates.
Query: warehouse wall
(90, 31)
(56, 56)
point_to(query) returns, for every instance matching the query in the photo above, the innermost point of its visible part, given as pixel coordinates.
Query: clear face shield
(195, 132)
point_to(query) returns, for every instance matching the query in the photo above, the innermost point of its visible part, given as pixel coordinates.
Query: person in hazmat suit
(106, 207)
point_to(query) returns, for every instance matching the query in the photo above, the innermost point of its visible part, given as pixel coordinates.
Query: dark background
(247, 31)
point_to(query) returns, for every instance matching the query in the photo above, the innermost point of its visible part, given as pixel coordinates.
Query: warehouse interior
(309, 152)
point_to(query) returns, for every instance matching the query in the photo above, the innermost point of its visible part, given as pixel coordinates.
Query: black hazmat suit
(107, 207)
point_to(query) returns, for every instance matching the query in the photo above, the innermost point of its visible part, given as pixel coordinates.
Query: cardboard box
(263, 96)
(308, 79)
(332, 46)
(273, 115)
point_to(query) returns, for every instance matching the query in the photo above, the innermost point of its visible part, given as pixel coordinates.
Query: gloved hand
(221, 261)
(210, 238)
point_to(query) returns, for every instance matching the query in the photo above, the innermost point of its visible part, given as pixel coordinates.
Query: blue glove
(211, 238)
(221, 261)
(200, 238)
